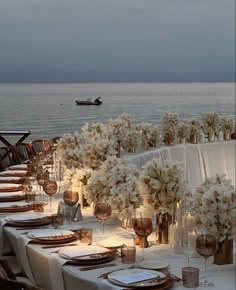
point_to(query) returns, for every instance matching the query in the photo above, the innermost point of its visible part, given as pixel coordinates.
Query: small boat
(96, 102)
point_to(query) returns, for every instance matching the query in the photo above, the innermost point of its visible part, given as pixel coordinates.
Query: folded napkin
(8, 185)
(72, 252)
(13, 172)
(11, 193)
(24, 217)
(46, 233)
(13, 204)
(18, 167)
(10, 178)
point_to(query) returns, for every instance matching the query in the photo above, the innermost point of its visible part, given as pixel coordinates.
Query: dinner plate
(13, 173)
(11, 198)
(50, 236)
(18, 167)
(25, 217)
(137, 278)
(8, 187)
(15, 207)
(86, 255)
(110, 244)
(153, 264)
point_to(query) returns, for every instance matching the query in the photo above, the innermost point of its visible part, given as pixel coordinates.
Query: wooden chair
(8, 157)
(8, 280)
(41, 146)
(24, 151)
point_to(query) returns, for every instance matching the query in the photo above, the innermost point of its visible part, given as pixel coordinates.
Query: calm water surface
(49, 110)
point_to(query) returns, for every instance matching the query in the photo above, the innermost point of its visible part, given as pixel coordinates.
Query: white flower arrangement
(183, 130)
(211, 122)
(170, 122)
(228, 125)
(75, 178)
(215, 207)
(151, 132)
(95, 130)
(115, 182)
(162, 185)
(195, 129)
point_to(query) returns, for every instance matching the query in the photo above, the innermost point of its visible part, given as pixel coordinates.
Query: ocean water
(49, 110)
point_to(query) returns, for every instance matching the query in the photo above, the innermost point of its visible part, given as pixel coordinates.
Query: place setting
(15, 207)
(28, 220)
(12, 196)
(8, 187)
(19, 173)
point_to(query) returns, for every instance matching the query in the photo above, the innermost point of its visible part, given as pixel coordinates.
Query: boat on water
(96, 102)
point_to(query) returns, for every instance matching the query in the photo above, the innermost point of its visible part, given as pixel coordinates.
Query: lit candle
(192, 239)
(178, 215)
(189, 221)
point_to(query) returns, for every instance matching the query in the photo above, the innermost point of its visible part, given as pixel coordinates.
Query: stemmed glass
(102, 211)
(142, 224)
(206, 246)
(50, 188)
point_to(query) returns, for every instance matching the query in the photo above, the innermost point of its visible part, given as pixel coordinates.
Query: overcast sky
(117, 40)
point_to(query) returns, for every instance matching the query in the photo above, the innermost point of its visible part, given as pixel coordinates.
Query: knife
(59, 246)
(96, 267)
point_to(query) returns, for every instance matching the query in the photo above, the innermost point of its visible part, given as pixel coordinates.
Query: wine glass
(143, 227)
(102, 211)
(50, 188)
(131, 215)
(206, 246)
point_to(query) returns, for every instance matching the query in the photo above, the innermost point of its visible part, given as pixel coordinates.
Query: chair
(41, 146)
(24, 151)
(8, 280)
(8, 157)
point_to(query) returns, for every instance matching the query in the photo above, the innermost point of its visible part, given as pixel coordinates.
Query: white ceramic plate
(110, 244)
(133, 275)
(13, 204)
(8, 185)
(153, 264)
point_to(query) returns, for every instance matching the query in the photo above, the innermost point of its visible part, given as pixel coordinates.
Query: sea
(49, 110)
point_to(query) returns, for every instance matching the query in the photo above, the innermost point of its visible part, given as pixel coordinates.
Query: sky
(117, 41)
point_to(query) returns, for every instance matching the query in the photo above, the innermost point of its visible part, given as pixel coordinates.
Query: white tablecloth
(198, 160)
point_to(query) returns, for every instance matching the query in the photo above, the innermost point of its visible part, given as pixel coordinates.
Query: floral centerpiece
(195, 129)
(228, 127)
(212, 124)
(215, 214)
(115, 182)
(170, 122)
(183, 131)
(150, 133)
(162, 185)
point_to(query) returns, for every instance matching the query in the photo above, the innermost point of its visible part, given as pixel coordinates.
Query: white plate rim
(153, 264)
(105, 244)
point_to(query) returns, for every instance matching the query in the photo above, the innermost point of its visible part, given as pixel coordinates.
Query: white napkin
(45, 233)
(72, 252)
(8, 185)
(11, 193)
(135, 277)
(24, 217)
(18, 166)
(12, 172)
(12, 204)
(15, 178)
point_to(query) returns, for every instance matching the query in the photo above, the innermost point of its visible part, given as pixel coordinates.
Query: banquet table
(50, 271)
(199, 161)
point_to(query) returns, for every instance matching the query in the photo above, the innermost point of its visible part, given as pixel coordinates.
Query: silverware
(168, 273)
(59, 246)
(96, 267)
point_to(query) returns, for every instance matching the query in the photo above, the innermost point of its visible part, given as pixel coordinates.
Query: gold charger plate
(30, 223)
(16, 208)
(11, 198)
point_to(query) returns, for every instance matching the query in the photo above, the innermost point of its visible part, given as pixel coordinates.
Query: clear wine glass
(206, 246)
(50, 188)
(102, 211)
(143, 227)
(131, 215)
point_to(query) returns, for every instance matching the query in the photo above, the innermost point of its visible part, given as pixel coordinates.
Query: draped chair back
(24, 151)
(8, 157)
